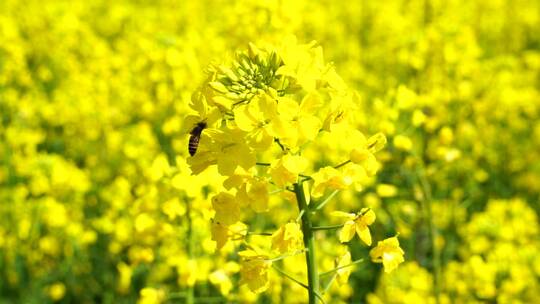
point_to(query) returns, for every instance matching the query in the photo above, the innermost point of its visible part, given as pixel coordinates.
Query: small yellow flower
(254, 270)
(357, 175)
(254, 193)
(173, 208)
(254, 118)
(220, 234)
(150, 295)
(364, 153)
(286, 169)
(446, 136)
(303, 62)
(57, 291)
(296, 123)
(187, 272)
(418, 118)
(328, 177)
(403, 143)
(125, 272)
(389, 253)
(222, 280)
(227, 209)
(387, 190)
(225, 148)
(288, 238)
(356, 223)
(376, 142)
(160, 167)
(144, 222)
(344, 273)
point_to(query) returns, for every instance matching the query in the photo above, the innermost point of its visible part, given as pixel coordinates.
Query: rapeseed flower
(389, 253)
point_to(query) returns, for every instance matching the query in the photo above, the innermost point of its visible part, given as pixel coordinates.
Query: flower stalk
(426, 205)
(190, 295)
(309, 243)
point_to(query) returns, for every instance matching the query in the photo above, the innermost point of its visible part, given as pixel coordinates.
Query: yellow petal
(376, 142)
(364, 234)
(349, 216)
(369, 216)
(308, 128)
(243, 119)
(347, 232)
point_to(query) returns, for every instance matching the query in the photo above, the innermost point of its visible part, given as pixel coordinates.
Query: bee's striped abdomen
(194, 137)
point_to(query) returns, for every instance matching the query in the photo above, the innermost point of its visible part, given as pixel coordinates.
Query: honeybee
(195, 136)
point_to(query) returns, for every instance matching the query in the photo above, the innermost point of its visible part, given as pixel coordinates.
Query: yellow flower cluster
(497, 262)
(254, 119)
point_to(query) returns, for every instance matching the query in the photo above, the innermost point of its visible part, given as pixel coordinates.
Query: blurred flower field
(210, 151)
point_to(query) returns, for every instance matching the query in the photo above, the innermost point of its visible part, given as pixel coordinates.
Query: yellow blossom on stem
(356, 174)
(303, 62)
(226, 207)
(254, 118)
(222, 233)
(203, 112)
(389, 253)
(296, 123)
(328, 177)
(254, 270)
(356, 223)
(222, 280)
(376, 142)
(342, 272)
(286, 169)
(254, 193)
(364, 154)
(288, 238)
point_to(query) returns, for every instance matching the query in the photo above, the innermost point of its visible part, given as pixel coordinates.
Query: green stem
(334, 274)
(326, 200)
(190, 294)
(327, 227)
(281, 257)
(426, 205)
(290, 277)
(341, 267)
(259, 233)
(300, 215)
(309, 243)
(283, 273)
(329, 283)
(342, 164)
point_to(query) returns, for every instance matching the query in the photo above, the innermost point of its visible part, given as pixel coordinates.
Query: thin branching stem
(342, 164)
(332, 227)
(341, 267)
(259, 233)
(290, 277)
(320, 205)
(281, 257)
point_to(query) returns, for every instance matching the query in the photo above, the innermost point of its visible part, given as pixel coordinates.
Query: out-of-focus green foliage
(98, 203)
